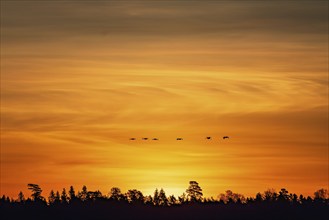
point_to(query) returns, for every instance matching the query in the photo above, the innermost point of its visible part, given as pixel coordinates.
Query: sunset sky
(79, 78)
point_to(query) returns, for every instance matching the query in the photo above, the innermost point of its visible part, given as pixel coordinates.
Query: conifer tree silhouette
(194, 192)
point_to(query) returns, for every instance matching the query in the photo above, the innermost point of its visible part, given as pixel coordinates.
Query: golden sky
(79, 78)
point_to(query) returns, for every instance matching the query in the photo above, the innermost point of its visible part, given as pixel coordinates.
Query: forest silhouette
(85, 204)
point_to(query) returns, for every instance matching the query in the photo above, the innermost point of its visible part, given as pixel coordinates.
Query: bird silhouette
(144, 139)
(208, 138)
(132, 139)
(179, 139)
(155, 139)
(226, 137)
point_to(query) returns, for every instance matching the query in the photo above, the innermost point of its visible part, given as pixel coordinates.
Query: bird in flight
(144, 139)
(226, 137)
(179, 139)
(208, 138)
(132, 139)
(155, 139)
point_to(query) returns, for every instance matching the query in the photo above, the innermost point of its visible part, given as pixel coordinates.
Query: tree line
(87, 204)
(193, 194)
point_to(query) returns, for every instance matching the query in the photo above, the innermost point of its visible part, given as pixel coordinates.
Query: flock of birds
(178, 139)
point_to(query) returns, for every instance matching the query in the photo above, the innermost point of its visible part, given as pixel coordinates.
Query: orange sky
(78, 79)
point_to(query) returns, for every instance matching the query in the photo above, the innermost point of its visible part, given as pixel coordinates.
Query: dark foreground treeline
(134, 205)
